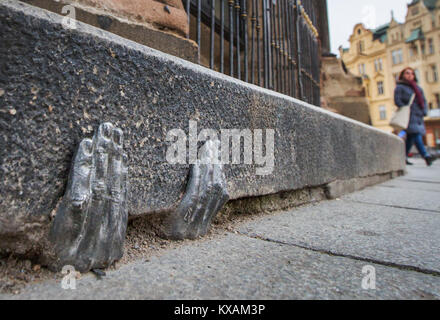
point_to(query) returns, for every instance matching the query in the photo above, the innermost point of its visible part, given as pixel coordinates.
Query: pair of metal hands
(90, 225)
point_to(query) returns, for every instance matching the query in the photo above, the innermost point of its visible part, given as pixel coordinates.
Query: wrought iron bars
(272, 43)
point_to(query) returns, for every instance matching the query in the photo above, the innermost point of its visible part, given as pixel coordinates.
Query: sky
(345, 14)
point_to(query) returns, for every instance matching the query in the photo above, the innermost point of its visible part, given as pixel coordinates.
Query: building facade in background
(341, 91)
(379, 55)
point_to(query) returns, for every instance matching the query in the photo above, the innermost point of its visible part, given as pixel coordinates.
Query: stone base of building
(342, 92)
(160, 34)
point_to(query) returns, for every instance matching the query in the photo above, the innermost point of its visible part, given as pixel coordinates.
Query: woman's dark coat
(402, 96)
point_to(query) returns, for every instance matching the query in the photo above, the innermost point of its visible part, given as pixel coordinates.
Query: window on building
(361, 69)
(417, 72)
(378, 65)
(380, 88)
(437, 100)
(397, 56)
(413, 51)
(415, 11)
(434, 73)
(431, 46)
(361, 47)
(383, 112)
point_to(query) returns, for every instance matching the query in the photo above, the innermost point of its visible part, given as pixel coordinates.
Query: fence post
(297, 37)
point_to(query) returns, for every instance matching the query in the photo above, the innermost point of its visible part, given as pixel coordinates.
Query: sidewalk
(313, 252)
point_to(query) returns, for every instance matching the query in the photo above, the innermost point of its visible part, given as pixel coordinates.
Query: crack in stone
(401, 188)
(422, 181)
(335, 254)
(425, 211)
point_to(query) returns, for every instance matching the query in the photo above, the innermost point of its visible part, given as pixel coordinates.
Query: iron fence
(270, 43)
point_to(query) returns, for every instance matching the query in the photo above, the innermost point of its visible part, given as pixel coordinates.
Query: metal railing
(270, 43)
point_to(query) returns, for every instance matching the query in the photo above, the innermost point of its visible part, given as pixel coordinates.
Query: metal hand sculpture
(205, 195)
(91, 221)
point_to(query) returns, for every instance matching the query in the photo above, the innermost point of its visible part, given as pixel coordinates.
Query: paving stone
(391, 235)
(418, 199)
(238, 267)
(404, 183)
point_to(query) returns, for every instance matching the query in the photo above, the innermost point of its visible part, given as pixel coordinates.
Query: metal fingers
(90, 225)
(205, 195)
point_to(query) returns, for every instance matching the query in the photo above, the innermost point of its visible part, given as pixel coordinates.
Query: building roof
(430, 4)
(416, 34)
(380, 33)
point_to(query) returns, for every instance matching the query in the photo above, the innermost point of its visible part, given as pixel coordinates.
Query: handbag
(400, 119)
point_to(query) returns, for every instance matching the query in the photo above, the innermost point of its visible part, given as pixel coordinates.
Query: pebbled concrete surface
(313, 252)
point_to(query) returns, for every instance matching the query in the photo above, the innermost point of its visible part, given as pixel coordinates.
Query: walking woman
(406, 88)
